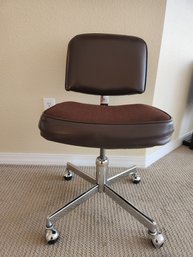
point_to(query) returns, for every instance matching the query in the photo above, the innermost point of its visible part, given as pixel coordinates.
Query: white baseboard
(61, 159)
(87, 160)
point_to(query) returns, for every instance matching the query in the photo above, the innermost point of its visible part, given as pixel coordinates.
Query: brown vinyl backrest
(106, 64)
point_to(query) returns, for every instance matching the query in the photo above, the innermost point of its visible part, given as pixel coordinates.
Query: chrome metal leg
(101, 184)
(80, 173)
(146, 221)
(156, 237)
(51, 233)
(71, 205)
(120, 175)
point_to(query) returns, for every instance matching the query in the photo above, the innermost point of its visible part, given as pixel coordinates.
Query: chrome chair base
(101, 185)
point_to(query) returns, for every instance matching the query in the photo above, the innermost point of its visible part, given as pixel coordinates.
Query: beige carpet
(98, 227)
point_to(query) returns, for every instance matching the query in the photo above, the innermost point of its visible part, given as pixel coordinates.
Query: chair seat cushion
(109, 127)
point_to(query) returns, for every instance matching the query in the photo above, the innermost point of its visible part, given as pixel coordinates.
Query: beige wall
(34, 36)
(174, 83)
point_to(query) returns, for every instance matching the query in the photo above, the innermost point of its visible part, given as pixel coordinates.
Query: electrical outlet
(48, 102)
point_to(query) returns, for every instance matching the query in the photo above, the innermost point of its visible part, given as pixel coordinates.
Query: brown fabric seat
(125, 126)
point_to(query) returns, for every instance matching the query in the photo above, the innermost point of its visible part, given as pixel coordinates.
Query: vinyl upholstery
(106, 64)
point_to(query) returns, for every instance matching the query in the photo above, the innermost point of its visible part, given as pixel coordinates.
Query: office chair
(104, 65)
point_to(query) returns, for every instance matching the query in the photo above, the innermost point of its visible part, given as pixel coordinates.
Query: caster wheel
(158, 240)
(135, 178)
(68, 175)
(51, 235)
